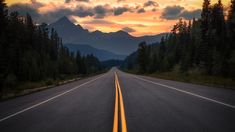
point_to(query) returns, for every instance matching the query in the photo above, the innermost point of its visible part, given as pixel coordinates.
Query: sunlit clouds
(139, 17)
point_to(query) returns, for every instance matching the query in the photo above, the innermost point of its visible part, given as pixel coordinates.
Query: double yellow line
(118, 97)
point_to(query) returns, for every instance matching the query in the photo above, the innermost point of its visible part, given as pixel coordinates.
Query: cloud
(172, 12)
(154, 10)
(49, 14)
(129, 30)
(151, 3)
(176, 12)
(84, 0)
(102, 10)
(98, 21)
(83, 11)
(52, 16)
(141, 10)
(30, 8)
(191, 14)
(47, 17)
(120, 10)
(120, 0)
(80, 11)
(68, 1)
(23, 9)
(36, 4)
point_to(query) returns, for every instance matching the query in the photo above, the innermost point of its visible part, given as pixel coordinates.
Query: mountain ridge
(119, 42)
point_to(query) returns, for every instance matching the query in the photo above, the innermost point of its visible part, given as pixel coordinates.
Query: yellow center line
(123, 117)
(122, 109)
(115, 120)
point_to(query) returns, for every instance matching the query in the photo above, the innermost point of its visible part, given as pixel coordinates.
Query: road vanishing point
(121, 102)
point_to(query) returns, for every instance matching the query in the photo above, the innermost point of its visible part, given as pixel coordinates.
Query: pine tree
(3, 25)
(154, 65)
(231, 37)
(29, 31)
(231, 24)
(162, 49)
(83, 66)
(205, 54)
(231, 14)
(220, 45)
(161, 55)
(3, 16)
(142, 57)
(79, 62)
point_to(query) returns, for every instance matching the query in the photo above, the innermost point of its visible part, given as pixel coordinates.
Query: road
(119, 102)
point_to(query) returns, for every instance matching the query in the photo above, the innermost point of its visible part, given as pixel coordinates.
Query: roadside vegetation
(198, 51)
(31, 55)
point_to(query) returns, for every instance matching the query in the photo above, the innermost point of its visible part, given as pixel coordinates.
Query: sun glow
(143, 19)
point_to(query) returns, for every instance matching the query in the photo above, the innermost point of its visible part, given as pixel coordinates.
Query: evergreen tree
(205, 53)
(162, 50)
(3, 16)
(220, 43)
(30, 52)
(142, 57)
(3, 25)
(231, 15)
(83, 66)
(231, 24)
(79, 62)
(154, 63)
(205, 45)
(231, 37)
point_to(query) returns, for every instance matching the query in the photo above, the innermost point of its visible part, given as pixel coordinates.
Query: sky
(137, 17)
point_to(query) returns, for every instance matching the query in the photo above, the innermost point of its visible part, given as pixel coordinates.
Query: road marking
(115, 119)
(122, 109)
(123, 117)
(186, 92)
(50, 99)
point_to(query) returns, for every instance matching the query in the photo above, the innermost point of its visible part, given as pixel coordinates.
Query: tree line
(32, 52)
(205, 45)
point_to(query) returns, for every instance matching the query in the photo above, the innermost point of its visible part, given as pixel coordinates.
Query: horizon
(139, 18)
(103, 31)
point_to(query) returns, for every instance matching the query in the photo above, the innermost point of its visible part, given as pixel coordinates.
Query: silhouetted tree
(205, 45)
(142, 57)
(30, 52)
(205, 53)
(79, 62)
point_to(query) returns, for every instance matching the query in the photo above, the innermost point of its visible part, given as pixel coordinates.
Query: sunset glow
(142, 16)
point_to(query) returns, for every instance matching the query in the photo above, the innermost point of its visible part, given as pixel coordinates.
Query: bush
(10, 80)
(49, 82)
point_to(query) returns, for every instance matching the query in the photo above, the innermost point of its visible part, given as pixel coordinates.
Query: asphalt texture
(151, 105)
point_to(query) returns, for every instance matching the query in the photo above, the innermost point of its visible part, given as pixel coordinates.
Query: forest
(203, 46)
(30, 52)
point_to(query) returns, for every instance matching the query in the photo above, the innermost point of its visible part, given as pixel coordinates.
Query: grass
(24, 88)
(195, 78)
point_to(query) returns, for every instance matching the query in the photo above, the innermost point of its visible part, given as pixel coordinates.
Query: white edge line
(54, 97)
(186, 92)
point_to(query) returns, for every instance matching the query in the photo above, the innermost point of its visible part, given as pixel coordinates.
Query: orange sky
(146, 23)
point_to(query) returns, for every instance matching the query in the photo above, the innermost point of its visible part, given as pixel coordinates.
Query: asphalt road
(150, 105)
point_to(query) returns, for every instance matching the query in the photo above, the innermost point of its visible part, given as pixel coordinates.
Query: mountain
(102, 55)
(119, 42)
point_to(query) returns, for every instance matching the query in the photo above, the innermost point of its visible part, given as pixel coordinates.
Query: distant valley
(102, 55)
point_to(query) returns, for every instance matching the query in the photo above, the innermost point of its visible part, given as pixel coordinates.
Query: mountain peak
(122, 33)
(97, 32)
(64, 20)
